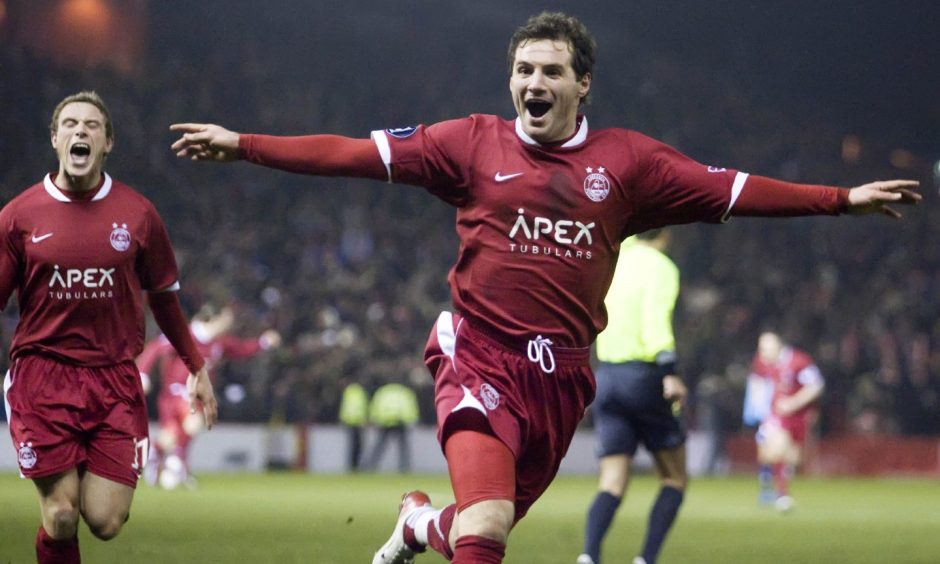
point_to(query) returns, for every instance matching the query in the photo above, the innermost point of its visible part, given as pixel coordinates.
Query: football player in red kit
(543, 203)
(169, 455)
(78, 249)
(797, 386)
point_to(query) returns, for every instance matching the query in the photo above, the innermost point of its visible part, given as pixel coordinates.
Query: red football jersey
(793, 370)
(540, 226)
(78, 267)
(173, 372)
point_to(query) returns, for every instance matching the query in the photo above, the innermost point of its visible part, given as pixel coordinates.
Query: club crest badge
(120, 237)
(490, 397)
(26, 456)
(596, 184)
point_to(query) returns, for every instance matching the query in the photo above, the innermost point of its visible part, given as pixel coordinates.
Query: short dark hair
(89, 97)
(557, 26)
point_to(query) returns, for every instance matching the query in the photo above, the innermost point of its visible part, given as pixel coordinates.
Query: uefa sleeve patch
(402, 132)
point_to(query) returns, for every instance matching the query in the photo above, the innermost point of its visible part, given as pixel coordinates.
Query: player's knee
(106, 527)
(63, 519)
(491, 519)
(192, 424)
(676, 482)
(166, 441)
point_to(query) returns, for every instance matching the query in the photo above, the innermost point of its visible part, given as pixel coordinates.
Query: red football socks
(782, 473)
(439, 533)
(52, 551)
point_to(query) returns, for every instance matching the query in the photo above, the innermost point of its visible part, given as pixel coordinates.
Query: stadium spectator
(393, 411)
(354, 414)
(796, 385)
(534, 264)
(78, 249)
(168, 460)
(639, 392)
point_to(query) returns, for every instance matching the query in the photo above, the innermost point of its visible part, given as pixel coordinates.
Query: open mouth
(79, 153)
(80, 150)
(537, 108)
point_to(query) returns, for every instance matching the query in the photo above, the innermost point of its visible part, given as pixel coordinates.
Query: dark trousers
(354, 451)
(401, 433)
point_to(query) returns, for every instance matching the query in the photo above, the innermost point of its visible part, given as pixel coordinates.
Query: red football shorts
(531, 395)
(172, 409)
(64, 416)
(796, 425)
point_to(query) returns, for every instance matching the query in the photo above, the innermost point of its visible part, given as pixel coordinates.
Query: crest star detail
(600, 170)
(589, 170)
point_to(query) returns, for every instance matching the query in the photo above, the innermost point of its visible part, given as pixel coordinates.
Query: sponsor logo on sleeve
(402, 132)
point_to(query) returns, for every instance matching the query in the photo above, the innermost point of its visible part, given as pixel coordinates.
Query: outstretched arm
(321, 155)
(762, 196)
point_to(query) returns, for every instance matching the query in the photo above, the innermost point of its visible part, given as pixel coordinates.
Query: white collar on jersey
(56, 192)
(578, 138)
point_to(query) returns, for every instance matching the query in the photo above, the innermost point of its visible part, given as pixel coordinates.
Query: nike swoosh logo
(500, 178)
(41, 237)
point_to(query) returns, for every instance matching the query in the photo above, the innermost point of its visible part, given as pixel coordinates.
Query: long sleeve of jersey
(762, 196)
(320, 155)
(168, 314)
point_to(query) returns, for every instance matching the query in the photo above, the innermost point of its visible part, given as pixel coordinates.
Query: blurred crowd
(353, 273)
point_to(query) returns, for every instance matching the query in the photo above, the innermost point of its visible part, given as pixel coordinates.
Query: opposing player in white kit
(543, 202)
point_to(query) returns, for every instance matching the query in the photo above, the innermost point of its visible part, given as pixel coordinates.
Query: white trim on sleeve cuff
(736, 188)
(385, 151)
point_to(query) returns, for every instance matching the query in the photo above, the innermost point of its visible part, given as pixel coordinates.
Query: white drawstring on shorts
(539, 349)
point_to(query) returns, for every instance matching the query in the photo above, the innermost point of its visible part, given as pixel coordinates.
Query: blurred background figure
(354, 414)
(393, 411)
(168, 464)
(794, 384)
(758, 396)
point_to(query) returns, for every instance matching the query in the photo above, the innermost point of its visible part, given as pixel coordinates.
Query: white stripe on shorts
(7, 384)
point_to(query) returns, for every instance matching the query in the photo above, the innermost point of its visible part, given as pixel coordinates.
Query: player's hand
(675, 392)
(200, 390)
(205, 142)
(874, 197)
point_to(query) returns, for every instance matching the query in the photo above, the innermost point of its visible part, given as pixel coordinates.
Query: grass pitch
(287, 518)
